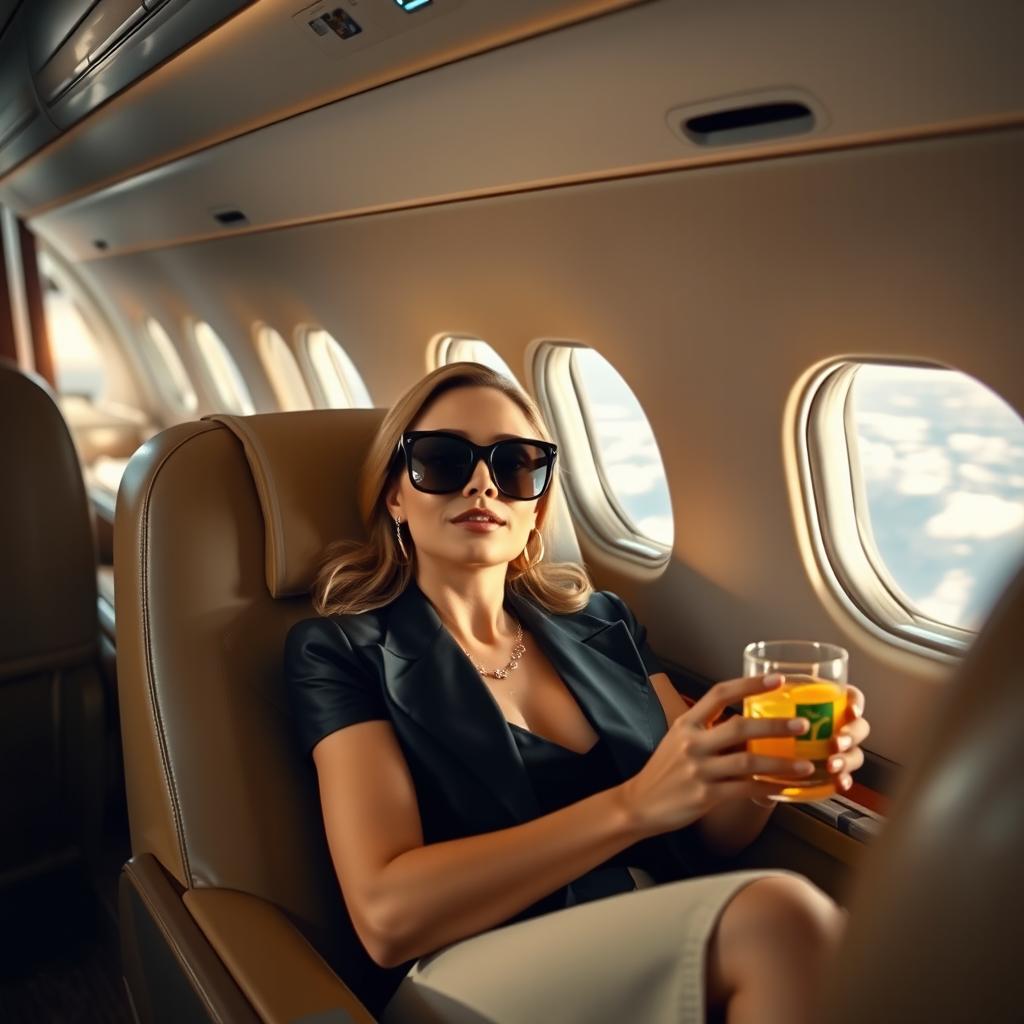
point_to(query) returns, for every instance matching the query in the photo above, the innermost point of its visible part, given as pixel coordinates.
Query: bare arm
(407, 899)
(733, 824)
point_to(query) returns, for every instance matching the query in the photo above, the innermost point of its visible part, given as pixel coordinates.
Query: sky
(943, 464)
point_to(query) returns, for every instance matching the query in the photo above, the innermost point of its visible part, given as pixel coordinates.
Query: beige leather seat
(53, 709)
(937, 910)
(230, 908)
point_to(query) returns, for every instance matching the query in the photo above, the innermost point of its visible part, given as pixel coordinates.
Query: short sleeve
(638, 632)
(328, 685)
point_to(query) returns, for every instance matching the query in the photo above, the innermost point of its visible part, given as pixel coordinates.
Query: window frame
(276, 375)
(593, 503)
(230, 366)
(443, 343)
(181, 401)
(303, 335)
(836, 511)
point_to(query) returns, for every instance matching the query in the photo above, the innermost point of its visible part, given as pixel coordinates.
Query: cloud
(904, 401)
(635, 478)
(660, 528)
(884, 426)
(975, 516)
(610, 411)
(977, 474)
(947, 601)
(877, 459)
(983, 447)
(926, 471)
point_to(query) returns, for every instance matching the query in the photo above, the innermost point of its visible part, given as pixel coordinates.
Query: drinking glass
(815, 689)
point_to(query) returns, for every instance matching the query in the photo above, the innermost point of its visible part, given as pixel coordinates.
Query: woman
(503, 764)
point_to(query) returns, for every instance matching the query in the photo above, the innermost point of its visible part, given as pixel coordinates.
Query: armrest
(281, 974)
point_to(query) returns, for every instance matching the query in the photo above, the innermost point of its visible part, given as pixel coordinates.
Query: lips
(479, 513)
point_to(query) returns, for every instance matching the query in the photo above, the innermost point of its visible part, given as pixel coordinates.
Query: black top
(325, 697)
(473, 773)
(560, 777)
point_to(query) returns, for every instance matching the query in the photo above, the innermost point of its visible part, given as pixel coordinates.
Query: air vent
(749, 124)
(230, 217)
(758, 118)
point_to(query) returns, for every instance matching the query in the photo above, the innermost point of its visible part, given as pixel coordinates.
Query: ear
(393, 499)
(540, 511)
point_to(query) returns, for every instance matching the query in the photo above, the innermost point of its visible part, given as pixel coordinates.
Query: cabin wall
(712, 290)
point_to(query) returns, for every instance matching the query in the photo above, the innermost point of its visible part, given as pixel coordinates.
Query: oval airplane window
(335, 375)
(930, 469)
(228, 384)
(454, 349)
(168, 369)
(282, 370)
(616, 480)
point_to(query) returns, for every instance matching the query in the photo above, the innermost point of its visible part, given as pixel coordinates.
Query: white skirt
(636, 956)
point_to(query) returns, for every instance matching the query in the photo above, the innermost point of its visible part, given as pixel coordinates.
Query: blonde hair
(359, 576)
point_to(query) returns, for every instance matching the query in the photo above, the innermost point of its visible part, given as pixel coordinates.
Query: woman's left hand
(845, 755)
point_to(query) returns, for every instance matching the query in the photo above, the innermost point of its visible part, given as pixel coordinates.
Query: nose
(480, 482)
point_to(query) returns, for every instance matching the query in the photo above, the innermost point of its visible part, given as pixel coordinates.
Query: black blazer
(400, 663)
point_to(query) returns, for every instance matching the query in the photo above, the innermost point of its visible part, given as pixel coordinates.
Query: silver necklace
(518, 650)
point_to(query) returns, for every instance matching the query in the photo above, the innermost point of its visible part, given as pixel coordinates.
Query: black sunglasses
(440, 463)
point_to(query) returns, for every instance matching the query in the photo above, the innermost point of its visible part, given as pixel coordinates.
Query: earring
(531, 562)
(398, 537)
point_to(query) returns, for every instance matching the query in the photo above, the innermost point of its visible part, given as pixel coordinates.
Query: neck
(470, 603)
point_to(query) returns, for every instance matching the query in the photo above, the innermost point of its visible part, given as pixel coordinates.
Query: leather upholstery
(52, 705)
(220, 527)
(935, 916)
(218, 795)
(49, 593)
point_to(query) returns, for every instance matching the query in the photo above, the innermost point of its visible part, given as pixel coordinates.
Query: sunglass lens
(440, 464)
(521, 470)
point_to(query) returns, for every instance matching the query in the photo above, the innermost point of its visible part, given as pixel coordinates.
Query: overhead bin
(60, 59)
(114, 43)
(24, 124)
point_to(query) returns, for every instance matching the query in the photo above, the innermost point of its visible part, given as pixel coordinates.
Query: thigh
(636, 956)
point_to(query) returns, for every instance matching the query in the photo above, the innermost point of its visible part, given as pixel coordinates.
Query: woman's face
(483, 415)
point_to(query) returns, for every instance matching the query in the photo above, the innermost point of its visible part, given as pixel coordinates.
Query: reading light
(413, 5)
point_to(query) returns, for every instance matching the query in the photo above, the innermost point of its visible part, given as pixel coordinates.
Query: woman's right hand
(699, 764)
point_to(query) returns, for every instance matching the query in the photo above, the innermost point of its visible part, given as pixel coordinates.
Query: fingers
(854, 703)
(851, 735)
(737, 730)
(842, 767)
(751, 788)
(733, 766)
(848, 756)
(731, 691)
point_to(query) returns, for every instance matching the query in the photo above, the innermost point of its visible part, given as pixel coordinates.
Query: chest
(535, 697)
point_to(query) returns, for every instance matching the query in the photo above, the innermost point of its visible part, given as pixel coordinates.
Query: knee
(789, 910)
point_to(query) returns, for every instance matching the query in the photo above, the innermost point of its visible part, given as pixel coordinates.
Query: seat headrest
(306, 469)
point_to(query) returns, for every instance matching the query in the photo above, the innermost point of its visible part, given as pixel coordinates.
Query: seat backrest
(50, 693)
(218, 531)
(220, 528)
(935, 915)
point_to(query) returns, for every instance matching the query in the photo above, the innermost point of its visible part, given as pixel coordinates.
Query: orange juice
(823, 704)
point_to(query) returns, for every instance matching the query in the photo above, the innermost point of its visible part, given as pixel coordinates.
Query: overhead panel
(24, 124)
(116, 42)
(60, 59)
(50, 24)
(611, 97)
